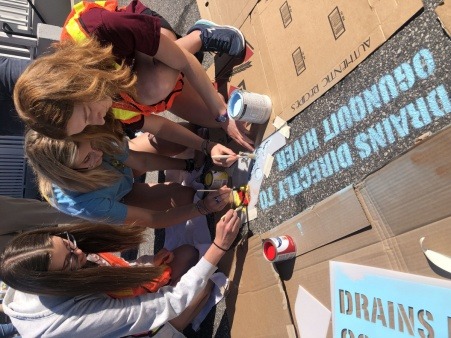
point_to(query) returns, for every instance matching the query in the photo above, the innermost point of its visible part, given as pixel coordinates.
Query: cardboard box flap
(306, 47)
(444, 15)
(230, 12)
(313, 44)
(251, 73)
(391, 13)
(437, 237)
(404, 195)
(324, 222)
(256, 291)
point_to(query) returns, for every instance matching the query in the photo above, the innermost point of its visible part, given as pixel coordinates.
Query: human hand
(217, 200)
(227, 229)
(163, 256)
(237, 132)
(223, 153)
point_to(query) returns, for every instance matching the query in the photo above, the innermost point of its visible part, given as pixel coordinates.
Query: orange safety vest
(151, 286)
(127, 111)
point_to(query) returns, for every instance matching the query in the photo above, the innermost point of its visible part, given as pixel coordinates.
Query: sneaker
(220, 39)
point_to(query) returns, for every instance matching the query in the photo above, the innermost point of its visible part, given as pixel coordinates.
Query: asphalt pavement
(347, 151)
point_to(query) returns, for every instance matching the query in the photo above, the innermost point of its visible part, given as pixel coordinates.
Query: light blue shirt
(102, 205)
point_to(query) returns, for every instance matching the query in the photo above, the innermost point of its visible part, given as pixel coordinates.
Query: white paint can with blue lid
(249, 107)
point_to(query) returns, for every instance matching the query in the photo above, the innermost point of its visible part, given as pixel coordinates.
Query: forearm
(161, 219)
(176, 133)
(160, 162)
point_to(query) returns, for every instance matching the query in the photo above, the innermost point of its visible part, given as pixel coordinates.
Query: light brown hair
(45, 93)
(52, 161)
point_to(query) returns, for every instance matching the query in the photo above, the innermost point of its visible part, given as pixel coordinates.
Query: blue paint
(404, 77)
(424, 64)
(387, 89)
(266, 198)
(299, 148)
(405, 307)
(439, 102)
(372, 99)
(282, 193)
(299, 226)
(325, 166)
(415, 115)
(358, 109)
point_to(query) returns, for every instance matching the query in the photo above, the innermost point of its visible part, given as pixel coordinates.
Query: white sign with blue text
(370, 302)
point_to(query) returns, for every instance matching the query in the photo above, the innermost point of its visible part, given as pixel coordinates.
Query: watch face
(222, 118)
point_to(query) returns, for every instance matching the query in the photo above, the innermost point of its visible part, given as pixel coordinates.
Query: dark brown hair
(25, 261)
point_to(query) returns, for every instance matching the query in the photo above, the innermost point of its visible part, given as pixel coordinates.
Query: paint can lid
(208, 180)
(235, 104)
(269, 250)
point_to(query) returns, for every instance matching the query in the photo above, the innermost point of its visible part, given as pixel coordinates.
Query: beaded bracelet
(216, 245)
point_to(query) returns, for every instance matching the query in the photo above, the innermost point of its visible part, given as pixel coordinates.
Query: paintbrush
(240, 155)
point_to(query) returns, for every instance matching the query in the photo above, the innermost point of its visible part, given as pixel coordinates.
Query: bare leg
(185, 257)
(190, 106)
(160, 196)
(190, 42)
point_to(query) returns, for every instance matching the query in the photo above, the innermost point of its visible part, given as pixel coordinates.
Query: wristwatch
(222, 118)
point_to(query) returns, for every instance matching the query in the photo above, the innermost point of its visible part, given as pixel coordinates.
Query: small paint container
(249, 107)
(216, 179)
(276, 249)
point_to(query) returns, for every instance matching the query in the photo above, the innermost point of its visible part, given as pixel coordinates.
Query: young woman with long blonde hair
(93, 179)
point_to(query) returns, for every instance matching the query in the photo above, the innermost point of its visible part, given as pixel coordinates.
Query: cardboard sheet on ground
(301, 49)
(444, 15)
(375, 302)
(240, 174)
(312, 317)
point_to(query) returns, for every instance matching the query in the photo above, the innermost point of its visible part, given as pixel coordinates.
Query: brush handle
(224, 156)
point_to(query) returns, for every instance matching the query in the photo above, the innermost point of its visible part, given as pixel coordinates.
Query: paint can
(249, 107)
(216, 179)
(276, 249)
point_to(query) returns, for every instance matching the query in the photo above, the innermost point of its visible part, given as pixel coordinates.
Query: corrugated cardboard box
(230, 12)
(378, 223)
(306, 47)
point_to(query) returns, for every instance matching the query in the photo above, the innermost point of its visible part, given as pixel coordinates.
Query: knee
(161, 85)
(189, 253)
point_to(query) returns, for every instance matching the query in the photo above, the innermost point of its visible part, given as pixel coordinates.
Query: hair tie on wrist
(216, 245)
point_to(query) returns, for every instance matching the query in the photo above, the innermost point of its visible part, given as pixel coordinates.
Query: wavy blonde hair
(47, 90)
(52, 161)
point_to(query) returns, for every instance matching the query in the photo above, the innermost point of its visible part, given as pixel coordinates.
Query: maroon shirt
(128, 30)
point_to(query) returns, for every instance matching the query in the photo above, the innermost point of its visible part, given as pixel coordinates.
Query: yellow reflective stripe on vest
(123, 114)
(72, 27)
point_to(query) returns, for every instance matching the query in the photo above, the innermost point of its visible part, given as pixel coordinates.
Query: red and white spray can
(276, 249)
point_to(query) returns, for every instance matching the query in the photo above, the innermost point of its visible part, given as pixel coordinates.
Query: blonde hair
(52, 161)
(46, 92)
